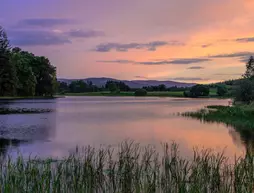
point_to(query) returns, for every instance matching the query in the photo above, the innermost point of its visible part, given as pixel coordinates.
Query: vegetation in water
(129, 168)
(6, 111)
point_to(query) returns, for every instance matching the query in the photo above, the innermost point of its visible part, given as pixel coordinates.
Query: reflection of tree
(244, 131)
(237, 140)
(6, 143)
(247, 136)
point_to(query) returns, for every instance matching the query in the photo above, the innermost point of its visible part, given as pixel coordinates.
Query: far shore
(179, 94)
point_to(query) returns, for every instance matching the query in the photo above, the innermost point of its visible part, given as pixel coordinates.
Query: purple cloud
(85, 34)
(37, 38)
(195, 68)
(44, 22)
(151, 46)
(176, 61)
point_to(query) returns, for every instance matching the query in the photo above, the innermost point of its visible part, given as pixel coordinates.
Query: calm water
(110, 120)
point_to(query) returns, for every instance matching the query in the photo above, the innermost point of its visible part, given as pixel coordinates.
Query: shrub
(245, 91)
(186, 93)
(222, 90)
(199, 90)
(140, 92)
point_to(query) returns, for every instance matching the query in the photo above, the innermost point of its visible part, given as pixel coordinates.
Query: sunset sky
(182, 40)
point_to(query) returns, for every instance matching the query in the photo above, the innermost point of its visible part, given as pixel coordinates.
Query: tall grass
(126, 169)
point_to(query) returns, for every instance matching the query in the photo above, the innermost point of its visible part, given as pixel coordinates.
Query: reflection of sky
(108, 121)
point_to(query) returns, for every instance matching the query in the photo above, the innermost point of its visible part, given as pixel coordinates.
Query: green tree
(78, 86)
(26, 79)
(8, 75)
(45, 76)
(199, 90)
(245, 91)
(112, 86)
(222, 90)
(63, 87)
(162, 87)
(249, 73)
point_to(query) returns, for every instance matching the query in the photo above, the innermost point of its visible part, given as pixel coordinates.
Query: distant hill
(131, 83)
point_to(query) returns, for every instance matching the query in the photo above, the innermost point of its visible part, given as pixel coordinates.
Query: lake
(110, 120)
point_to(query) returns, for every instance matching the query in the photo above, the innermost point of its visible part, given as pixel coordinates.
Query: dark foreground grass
(6, 111)
(129, 168)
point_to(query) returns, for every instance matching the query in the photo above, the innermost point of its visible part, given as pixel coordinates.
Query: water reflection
(18, 129)
(241, 134)
(110, 120)
(5, 144)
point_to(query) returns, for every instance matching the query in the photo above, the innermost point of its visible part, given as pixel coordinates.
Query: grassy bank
(129, 168)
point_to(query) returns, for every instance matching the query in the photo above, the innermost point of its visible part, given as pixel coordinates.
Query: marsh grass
(129, 168)
(6, 111)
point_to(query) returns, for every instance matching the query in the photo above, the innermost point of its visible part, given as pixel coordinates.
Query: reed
(129, 168)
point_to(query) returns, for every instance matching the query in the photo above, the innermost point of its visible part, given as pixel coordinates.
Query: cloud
(85, 34)
(245, 40)
(206, 45)
(189, 78)
(151, 46)
(117, 61)
(195, 67)
(233, 55)
(141, 77)
(225, 74)
(37, 38)
(184, 61)
(44, 22)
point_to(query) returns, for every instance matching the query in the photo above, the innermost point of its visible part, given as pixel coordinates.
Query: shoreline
(149, 94)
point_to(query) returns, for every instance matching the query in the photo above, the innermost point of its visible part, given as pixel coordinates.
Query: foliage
(245, 91)
(26, 79)
(114, 86)
(199, 91)
(77, 86)
(8, 76)
(163, 87)
(249, 73)
(222, 90)
(24, 74)
(140, 92)
(129, 168)
(62, 87)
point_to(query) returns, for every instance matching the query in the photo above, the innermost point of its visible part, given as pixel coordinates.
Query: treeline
(24, 74)
(79, 86)
(163, 87)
